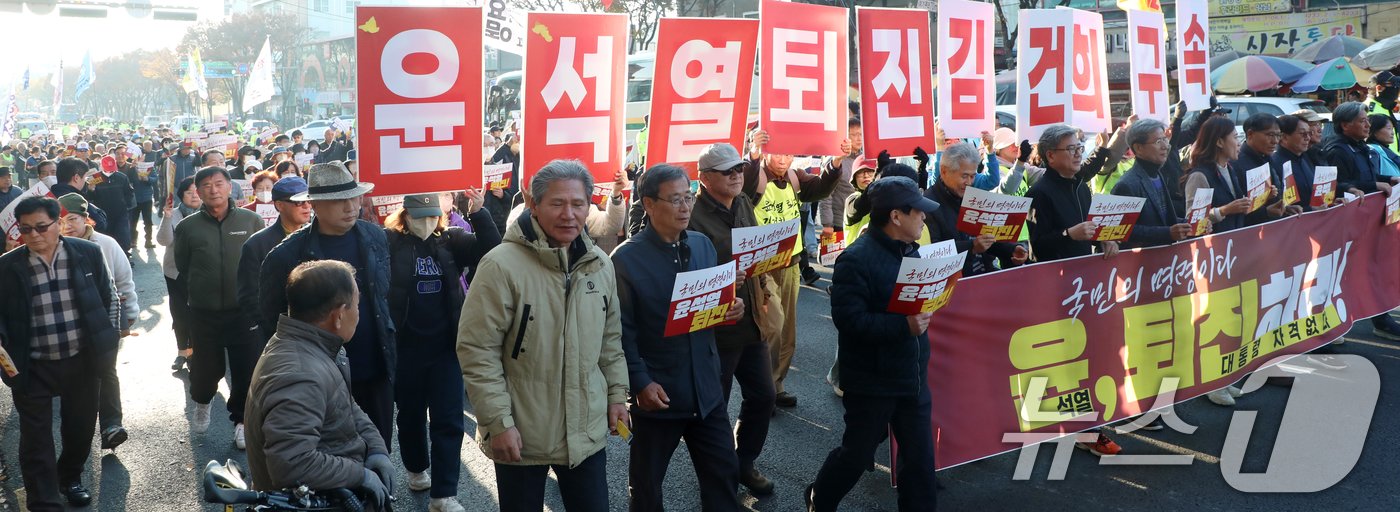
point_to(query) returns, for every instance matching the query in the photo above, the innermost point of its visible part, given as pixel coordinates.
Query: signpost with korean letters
(700, 299)
(1197, 212)
(761, 249)
(419, 98)
(986, 212)
(1290, 184)
(1324, 190)
(896, 90)
(1147, 39)
(924, 285)
(575, 67)
(1089, 83)
(495, 176)
(1257, 185)
(1114, 216)
(805, 68)
(1193, 54)
(1043, 73)
(966, 94)
(700, 87)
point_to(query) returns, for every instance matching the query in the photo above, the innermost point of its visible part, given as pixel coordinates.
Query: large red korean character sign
(419, 98)
(1193, 53)
(896, 91)
(700, 87)
(1147, 48)
(804, 77)
(965, 70)
(574, 65)
(1089, 83)
(1042, 76)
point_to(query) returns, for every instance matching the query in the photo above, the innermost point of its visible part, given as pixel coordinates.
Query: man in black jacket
(1357, 166)
(1261, 138)
(69, 173)
(112, 192)
(56, 353)
(674, 379)
(1060, 201)
(956, 170)
(291, 216)
(1160, 222)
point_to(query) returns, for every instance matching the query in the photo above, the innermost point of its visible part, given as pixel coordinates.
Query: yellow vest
(778, 205)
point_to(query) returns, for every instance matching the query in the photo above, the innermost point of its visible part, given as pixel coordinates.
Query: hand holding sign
(1200, 206)
(1257, 183)
(985, 212)
(924, 285)
(702, 299)
(1114, 216)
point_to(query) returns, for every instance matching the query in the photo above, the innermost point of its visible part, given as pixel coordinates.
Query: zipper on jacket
(520, 333)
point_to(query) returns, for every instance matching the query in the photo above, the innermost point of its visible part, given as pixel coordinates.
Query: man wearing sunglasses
(58, 319)
(291, 216)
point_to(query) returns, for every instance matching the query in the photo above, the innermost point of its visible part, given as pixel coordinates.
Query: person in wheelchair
(303, 427)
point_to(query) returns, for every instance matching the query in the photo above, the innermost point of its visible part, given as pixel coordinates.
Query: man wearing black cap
(896, 397)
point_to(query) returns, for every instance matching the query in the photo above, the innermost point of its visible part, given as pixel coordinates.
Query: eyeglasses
(1077, 149)
(727, 172)
(686, 200)
(293, 203)
(42, 228)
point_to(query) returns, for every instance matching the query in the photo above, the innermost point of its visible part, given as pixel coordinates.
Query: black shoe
(112, 437)
(785, 399)
(77, 495)
(1155, 425)
(809, 276)
(758, 484)
(178, 365)
(808, 497)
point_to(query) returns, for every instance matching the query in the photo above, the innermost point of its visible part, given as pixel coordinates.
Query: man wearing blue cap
(291, 216)
(883, 355)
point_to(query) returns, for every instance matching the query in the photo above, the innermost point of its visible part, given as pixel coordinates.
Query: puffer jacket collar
(289, 328)
(526, 231)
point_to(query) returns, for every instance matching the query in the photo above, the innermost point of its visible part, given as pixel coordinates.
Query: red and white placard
(804, 71)
(942, 249)
(700, 87)
(384, 206)
(965, 70)
(495, 176)
(986, 212)
(1114, 215)
(1042, 78)
(1196, 212)
(700, 299)
(573, 87)
(419, 97)
(1193, 53)
(1147, 43)
(761, 249)
(1324, 190)
(896, 91)
(925, 284)
(1290, 184)
(9, 223)
(832, 245)
(1392, 209)
(1089, 81)
(1257, 184)
(268, 212)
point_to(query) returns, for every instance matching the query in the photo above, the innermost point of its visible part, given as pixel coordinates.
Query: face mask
(264, 196)
(423, 228)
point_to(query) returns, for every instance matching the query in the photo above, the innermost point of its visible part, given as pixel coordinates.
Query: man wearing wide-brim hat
(337, 233)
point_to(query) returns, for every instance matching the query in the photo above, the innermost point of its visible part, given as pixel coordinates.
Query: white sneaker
(201, 418)
(1221, 397)
(238, 438)
(445, 505)
(419, 481)
(1235, 392)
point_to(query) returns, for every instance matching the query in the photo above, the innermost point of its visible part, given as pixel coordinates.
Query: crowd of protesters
(547, 311)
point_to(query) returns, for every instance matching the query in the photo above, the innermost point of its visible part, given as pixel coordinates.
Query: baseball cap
(109, 164)
(422, 205)
(1385, 78)
(73, 203)
(1003, 138)
(898, 192)
(287, 187)
(719, 157)
(867, 164)
(82, 146)
(1307, 115)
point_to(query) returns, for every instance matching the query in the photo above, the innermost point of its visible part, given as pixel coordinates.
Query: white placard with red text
(700, 299)
(1197, 211)
(832, 245)
(984, 212)
(1193, 53)
(1089, 81)
(1043, 95)
(804, 72)
(761, 249)
(942, 249)
(925, 284)
(1324, 190)
(965, 71)
(1147, 43)
(700, 87)
(1290, 184)
(268, 212)
(419, 94)
(495, 176)
(575, 75)
(1114, 216)
(896, 90)
(384, 206)
(1392, 209)
(9, 224)
(1257, 184)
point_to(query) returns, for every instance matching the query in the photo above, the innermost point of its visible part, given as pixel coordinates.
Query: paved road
(158, 469)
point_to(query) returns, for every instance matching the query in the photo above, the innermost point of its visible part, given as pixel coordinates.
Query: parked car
(314, 129)
(1241, 107)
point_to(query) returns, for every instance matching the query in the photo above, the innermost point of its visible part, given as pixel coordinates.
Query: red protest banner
(1147, 41)
(804, 75)
(1290, 184)
(495, 176)
(896, 92)
(965, 70)
(700, 87)
(1193, 54)
(1042, 74)
(1324, 190)
(832, 245)
(1097, 336)
(986, 212)
(925, 285)
(1089, 81)
(1197, 210)
(419, 98)
(575, 68)
(1114, 215)
(700, 299)
(761, 249)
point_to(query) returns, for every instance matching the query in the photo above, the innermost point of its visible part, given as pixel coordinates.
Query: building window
(350, 6)
(321, 5)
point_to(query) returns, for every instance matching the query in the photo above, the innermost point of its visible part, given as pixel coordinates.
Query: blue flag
(26, 78)
(85, 77)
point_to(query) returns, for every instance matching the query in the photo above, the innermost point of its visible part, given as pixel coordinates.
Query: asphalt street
(159, 468)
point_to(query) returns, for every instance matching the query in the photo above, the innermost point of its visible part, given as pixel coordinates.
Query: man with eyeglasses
(1162, 221)
(1261, 138)
(674, 379)
(291, 216)
(59, 317)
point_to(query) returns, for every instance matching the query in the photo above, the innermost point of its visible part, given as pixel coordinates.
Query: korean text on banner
(1147, 39)
(1324, 190)
(573, 85)
(1257, 184)
(832, 245)
(419, 98)
(1114, 215)
(1089, 83)
(268, 212)
(700, 87)
(1197, 212)
(700, 299)
(942, 249)
(924, 285)
(1193, 54)
(1290, 184)
(505, 25)
(986, 212)
(965, 70)
(896, 90)
(1042, 76)
(761, 249)
(805, 68)
(495, 176)
(384, 206)
(603, 191)
(1392, 209)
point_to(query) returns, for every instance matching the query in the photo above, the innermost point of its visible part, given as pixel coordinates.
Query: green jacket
(207, 253)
